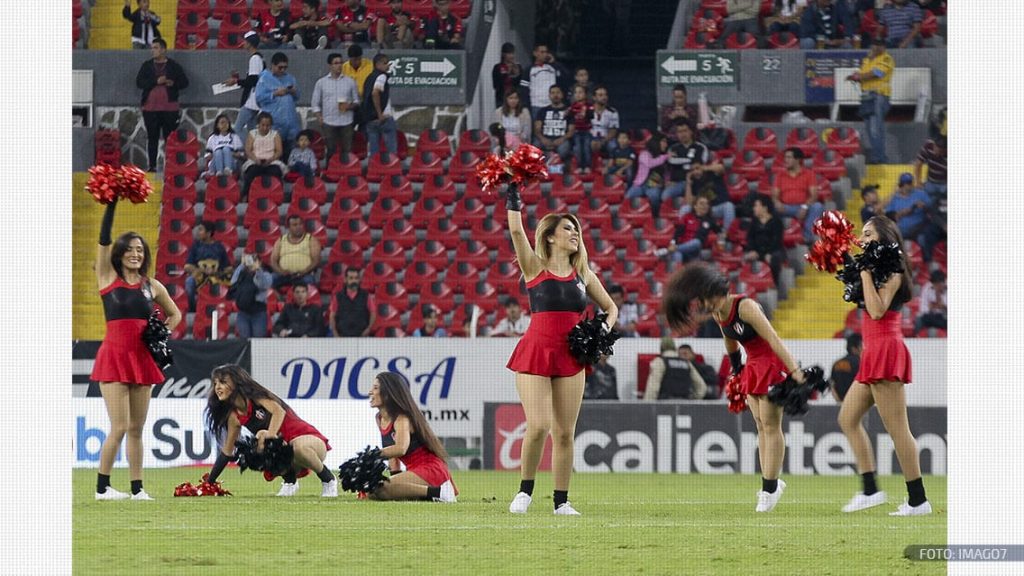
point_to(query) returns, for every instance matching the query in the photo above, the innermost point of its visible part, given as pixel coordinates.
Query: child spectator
(622, 158)
(144, 24)
(430, 328)
(872, 204)
(302, 158)
(582, 78)
(223, 148)
(582, 112)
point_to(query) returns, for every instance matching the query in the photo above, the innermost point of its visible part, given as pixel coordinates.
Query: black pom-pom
(156, 335)
(588, 340)
(793, 397)
(883, 260)
(275, 458)
(364, 472)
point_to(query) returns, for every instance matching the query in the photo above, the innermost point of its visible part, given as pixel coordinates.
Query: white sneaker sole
(876, 499)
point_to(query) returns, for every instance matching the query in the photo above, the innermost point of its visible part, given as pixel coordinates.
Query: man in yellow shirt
(875, 78)
(357, 68)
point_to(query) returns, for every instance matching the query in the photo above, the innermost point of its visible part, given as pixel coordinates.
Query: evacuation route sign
(427, 70)
(698, 68)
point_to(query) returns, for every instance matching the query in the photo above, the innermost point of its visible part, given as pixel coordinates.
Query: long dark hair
(217, 412)
(688, 287)
(397, 400)
(121, 247)
(888, 232)
(654, 145)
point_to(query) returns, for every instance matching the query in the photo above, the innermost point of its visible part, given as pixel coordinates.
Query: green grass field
(631, 524)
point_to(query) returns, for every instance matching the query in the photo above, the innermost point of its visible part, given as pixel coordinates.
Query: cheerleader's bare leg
(310, 452)
(856, 404)
(566, 398)
(535, 393)
(115, 396)
(770, 429)
(404, 486)
(138, 409)
(892, 407)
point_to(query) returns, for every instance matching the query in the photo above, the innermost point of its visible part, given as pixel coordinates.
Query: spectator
(707, 373)
(353, 311)
(551, 126)
(935, 230)
(693, 230)
(311, 29)
(442, 29)
(681, 157)
(707, 181)
(207, 261)
(902, 22)
(872, 203)
(933, 303)
(742, 17)
(264, 150)
(161, 80)
(629, 312)
(515, 323)
(582, 78)
(933, 155)
(276, 94)
(430, 328)
(908, 207)
(296, 255)
(335, 96)
(562, 76)
(506, 76)
(358, 70)
(250, 286)
(540, 78)
(300, 318)
(622, 158)
(602, 383)
(795, 192)
(248, 109)
(274, 26)
(395, 27)
(223, 148)
(144, 24)
(353, 23)
(582, 112)
(678, 109)
(303, 159)
(514, 117)
(826, 24)
(649, 179)
(378, 115)
(764, 237)
(845, 369)
(604, 127)
(875, 78)
(786, 16)
(672, 378)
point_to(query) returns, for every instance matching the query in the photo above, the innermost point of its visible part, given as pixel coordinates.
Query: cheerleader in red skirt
(550, 381)
(884, 371)
(743, 324)
(236, 401)
(124, 367)
(407, 438)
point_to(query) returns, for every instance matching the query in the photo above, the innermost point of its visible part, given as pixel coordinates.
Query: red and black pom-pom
(491, 173)
(835, 236)
(527, 165)
(108, 183)
(204, 488)
(134, 186)
(735, 394)
(793, 397)
(364, 472)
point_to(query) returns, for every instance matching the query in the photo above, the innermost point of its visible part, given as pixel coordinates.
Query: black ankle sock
(136, 486)
(526, 486)
(102, 481)
(325, 475)
(915, 492)
(769, 486)
(561, 497)
(289, 477)
(433, 491)
(868, 480)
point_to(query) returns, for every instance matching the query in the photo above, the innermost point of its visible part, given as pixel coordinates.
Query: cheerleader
(550, 381)
(236, 401)
(124, 367)
(884, 371)
(743, 324)
(406, 438)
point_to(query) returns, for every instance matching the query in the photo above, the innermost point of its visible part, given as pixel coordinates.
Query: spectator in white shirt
(541, 77)
(933, 303)
(629, 312)
(515, 323)
(335, 96)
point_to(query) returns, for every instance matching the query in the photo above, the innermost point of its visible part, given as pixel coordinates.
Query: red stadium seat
(441, 230)
(388, 318)
(355, 188)
(741, 41)
(491, 233)
(549, 205)
(660, 231)
(403, 145)
(182, 140)
(697, 40)
(473, 252)
(378, 273)
(761, 140)
(793, 233)
(737, 186)
(230, 40)
(264, 229)
(469, 212)
(439, 188)
(341, 166)
(436, 141)
(400, 231)
(461, 8)
(439, 294)
(568, 188)
(427, 210)
(316, 229)
(266, 186)
(463, 166)
(181, 162)
(222, 187)
(224, 7)
(629, 275)
(180, 186)
(804, 138)
(869, 26)
(749, 164)
(431, 252)
(425, 165)
(737, 232)
(259, 210)
(636, 211)
(393, 293)
(610, 188)
(830, 164)
(312, 188)
(720, 151)
(343, 210)
(478, 142)
(641, 252)
(620, 232)
(757, 276)
(356, 230)
(221, 209)
(462, 276)
(193, 33)
(397, 188)
(419, 276)
(179, 207)
(783, 41)
(929, 28)
(846, 141)
(384, 210)
(383, 165)
(595, 212)
(108, 147)
(347, 252)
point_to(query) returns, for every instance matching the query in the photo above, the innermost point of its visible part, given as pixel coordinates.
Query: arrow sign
(672, 66)
(443, 67)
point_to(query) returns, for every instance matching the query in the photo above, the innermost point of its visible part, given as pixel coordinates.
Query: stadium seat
(177, 293)
(388, 318)
(343, 210)
(179, 207)
(596, 212)
(473, 189)
(384, 210)
(403, 145)
(461, 8)
(397, 188)
(783, 41)
(869, 26)
(846, 141)
(804, 138)
(741, 41)
(182, 140)
(737, 186)
(194, 35)
(180, 186)
(629, 275)
(359, 144)
(263, 248)
(641, 252)
(346, 252)
(660, 231)
(620, 232)
(636, 211)
(220, 209)
(549, 205)
(419, 276)
(829, 164)
(506, 278)
(425, 165)
(222, 187)
(929, 28)
(757, 276)
(793, 233)
(477, 142)
(356, 230)
(391, 292)
(720, 151)
(531, 195)
(431, 252)
(209, 298)
(400, 231)
(181, 162)
(222, 8)
(697, 40)
(463, 166)
(749, 164)
(441, 229)
(491, 233)
(610, 188)
(266, 186)
(427, 210)
(355, 188)
(312, 188)
(568, 189)
(108, 147)
(469, 212)
(436, 141)
(462, 275)
(341, 166)
(737, 232)
(440, 188)
(439, 294)
(316, 229)
(264, 229)
(258, 210)
(473, 252)
(383, 165)
(379, 272)
(228, 40)
(763, 141)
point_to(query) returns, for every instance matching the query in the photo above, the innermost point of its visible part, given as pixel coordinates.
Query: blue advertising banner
(819, 73)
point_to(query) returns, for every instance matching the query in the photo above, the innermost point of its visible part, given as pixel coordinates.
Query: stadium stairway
(815, 307)
(86, 306)
(108, 30)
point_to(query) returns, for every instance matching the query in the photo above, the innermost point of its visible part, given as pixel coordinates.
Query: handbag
(867, 104)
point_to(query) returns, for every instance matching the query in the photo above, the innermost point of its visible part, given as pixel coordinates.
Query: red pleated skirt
(429, 466)
(763, 369)
(885, 357)
(123, 356)
(544, 349)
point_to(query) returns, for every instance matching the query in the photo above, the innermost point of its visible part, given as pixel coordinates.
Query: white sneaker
(297, 42)
(766, 501)
(447, 493)
(142, 496)
(566, 509)
(862, 502)
(520, 504)
(908, 510)
(288, 489)
(329, 490)
(111, 494)
(321, 43)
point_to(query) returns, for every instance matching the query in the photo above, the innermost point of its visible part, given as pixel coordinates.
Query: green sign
(698, 68)
(441, 70)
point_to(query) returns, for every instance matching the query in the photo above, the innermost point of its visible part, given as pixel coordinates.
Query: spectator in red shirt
(274, 26)
(443, 29)
(311, 28)
(353, 22)
(795, 192)
(582, 112)
(506, 75)
(693, 231)
(678, 109)
(395, 27)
